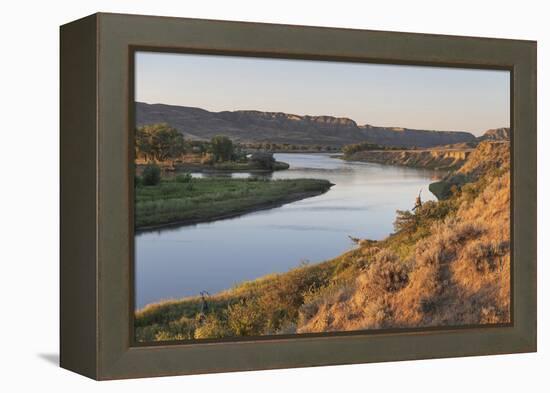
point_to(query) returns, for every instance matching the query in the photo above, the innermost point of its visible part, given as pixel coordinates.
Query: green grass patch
(189, 201)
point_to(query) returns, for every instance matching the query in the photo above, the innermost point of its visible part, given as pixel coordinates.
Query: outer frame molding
(96, 191)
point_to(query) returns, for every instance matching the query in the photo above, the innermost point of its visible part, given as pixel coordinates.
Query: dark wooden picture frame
(97, 194)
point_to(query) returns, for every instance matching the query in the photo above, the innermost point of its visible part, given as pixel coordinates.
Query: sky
(430, 98)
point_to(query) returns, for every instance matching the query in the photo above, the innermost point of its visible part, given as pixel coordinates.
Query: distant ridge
(278, 127)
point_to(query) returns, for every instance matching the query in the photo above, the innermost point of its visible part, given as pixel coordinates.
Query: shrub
(246, 318)
(262, 160)
(207, 159)
(486, 255)
(151, 175)
(138, 181)
(184, 178)
(431, 210)
(213, 327)
(405, 221)
(167, 336)
(387, 273)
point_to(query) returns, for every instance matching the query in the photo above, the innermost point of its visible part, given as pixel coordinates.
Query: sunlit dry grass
(457, 275)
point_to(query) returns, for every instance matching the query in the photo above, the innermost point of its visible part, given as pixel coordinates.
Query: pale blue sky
(434, 98)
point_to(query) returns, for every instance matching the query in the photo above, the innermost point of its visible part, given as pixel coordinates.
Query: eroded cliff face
(443, 159)
(496, 134)
(489, 155)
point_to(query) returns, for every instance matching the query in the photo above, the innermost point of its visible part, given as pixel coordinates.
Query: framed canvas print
(241, 196)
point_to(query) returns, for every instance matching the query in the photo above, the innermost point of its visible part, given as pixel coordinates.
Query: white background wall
(29, 193)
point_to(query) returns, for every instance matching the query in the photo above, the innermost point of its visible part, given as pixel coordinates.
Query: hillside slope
(487, 156)
(277, 127)
(448, 265)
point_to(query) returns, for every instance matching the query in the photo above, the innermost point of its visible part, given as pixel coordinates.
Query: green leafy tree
(222, 148)
(405, 221)
(357, 147)
(159, 142)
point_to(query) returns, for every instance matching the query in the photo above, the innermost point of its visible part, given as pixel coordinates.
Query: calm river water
(178, 262)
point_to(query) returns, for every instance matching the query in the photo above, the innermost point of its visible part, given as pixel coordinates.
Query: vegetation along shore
(180, 199)
(165, 146)
(184, 200)
(447, 263)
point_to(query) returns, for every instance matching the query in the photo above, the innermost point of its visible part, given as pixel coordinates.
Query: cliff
(496, 134)
(432, 159)
(488, 156)
(448, 157)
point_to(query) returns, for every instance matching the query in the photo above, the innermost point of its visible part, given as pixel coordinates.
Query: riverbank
(176, 203)
(446, 264)
(437, 159)
(219, 167)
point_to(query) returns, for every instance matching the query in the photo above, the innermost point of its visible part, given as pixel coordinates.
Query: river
(182, 261)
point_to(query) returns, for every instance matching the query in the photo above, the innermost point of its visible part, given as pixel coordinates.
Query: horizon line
(324, 115)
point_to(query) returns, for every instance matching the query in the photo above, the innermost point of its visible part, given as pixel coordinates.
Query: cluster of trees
(222, 148)
(271, 146)
(161, 142)
(364, 146)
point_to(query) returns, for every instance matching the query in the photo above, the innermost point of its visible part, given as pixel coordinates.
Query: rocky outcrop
(278, 127)
(496, 134)
(488, 156)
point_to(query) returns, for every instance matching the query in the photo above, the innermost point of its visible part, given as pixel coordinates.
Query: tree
(405, 221)
(159, 142)
(222, 148)
(151, 175)
(357, 147)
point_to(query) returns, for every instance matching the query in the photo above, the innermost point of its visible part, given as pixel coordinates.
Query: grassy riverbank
(446, 264)
(230, 166)
(183, 200)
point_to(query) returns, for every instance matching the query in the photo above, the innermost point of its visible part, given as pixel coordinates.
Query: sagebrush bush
(246, 318)
(213, 327)
(151, 175)
(486, 255)
(386, 273)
